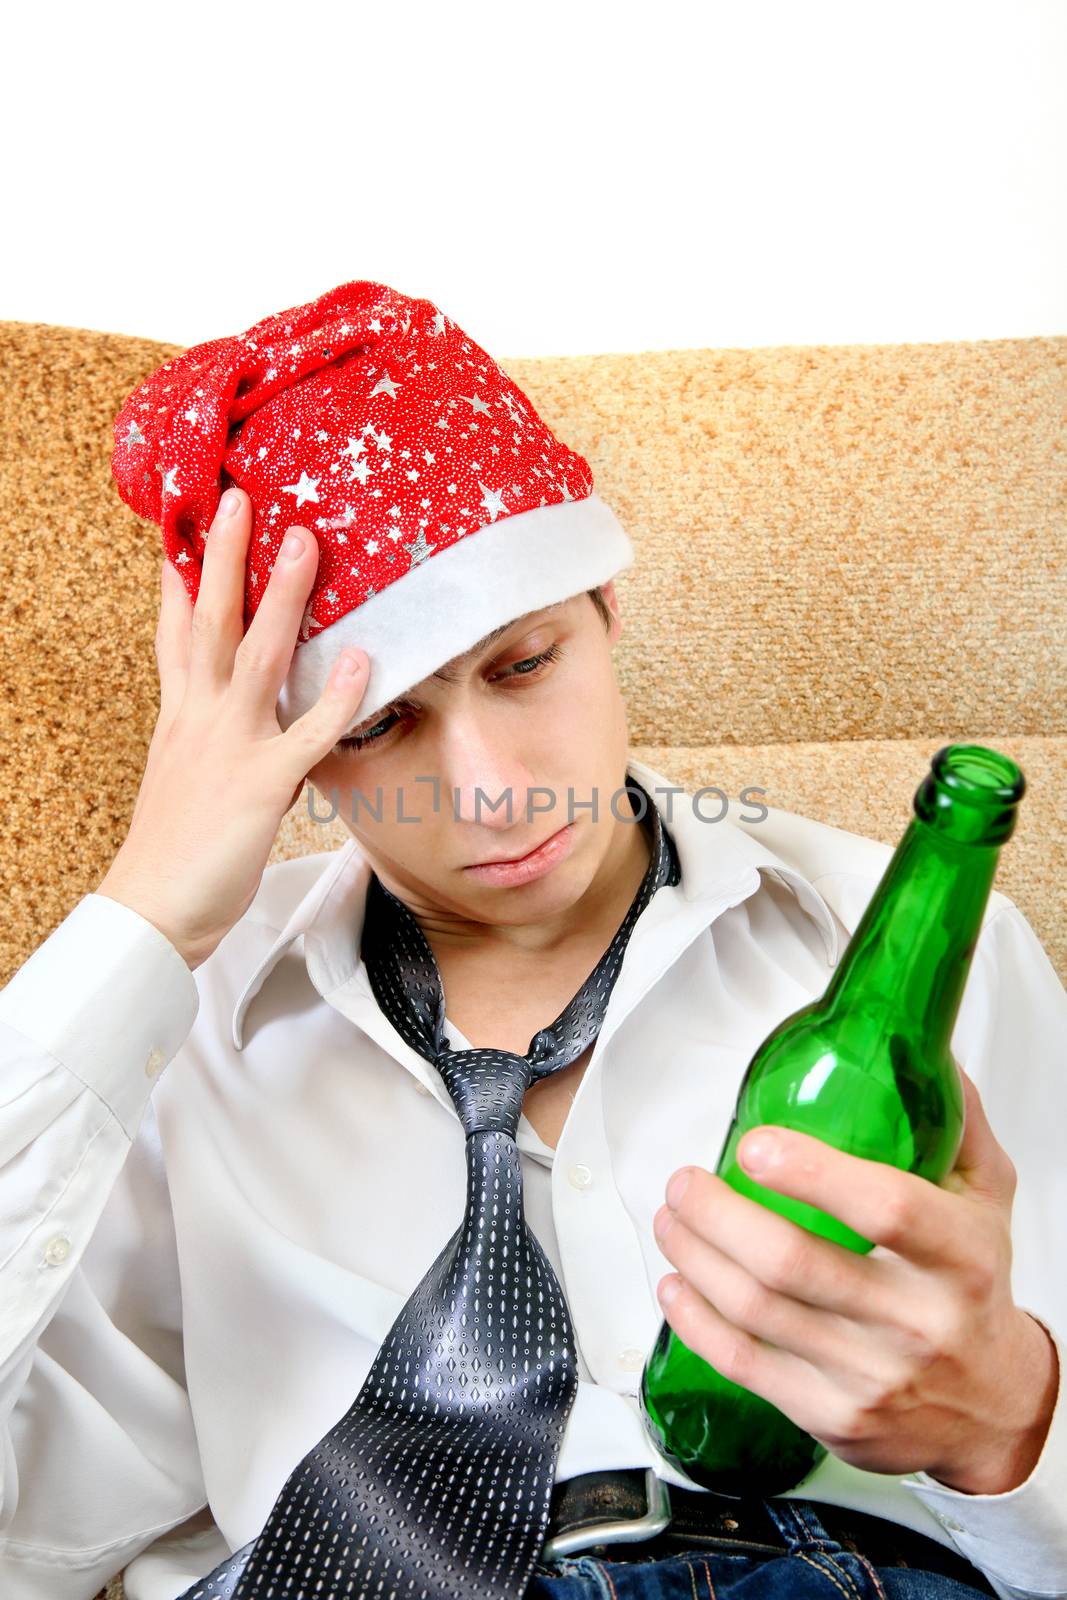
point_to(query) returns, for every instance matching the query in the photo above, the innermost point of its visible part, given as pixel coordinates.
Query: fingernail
(667, 1290)
(229, 503)
(758, 1153)
(292, 546)
(677, 1187)
(349, 665)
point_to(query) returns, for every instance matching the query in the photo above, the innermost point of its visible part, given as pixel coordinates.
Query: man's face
(508, 724)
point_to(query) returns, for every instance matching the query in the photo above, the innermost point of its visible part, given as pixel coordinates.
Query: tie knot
(487, 1088)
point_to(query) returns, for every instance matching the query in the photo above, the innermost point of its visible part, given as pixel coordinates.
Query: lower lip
(548, 855)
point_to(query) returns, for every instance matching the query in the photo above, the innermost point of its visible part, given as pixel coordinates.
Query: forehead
(505, 627)
(450, 671)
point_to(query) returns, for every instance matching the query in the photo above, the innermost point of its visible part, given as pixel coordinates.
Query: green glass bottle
(867, 1068)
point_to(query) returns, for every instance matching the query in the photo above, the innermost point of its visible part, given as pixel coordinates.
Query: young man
(247, 1282)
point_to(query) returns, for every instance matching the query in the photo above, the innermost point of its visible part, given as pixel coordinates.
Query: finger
(785, 1257)
(830, 1410)
(218, 615)
(172, 638)
(982, 1166)
(789, 1383)
(905, 1213)
(826, 1339)
(265, 654)
(314, 735)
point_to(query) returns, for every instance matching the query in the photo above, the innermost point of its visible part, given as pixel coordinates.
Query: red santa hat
(442, 504)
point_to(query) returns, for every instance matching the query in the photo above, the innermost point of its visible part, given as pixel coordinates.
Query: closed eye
(532, 667)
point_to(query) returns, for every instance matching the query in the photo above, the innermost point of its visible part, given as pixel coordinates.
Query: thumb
(981, 1161)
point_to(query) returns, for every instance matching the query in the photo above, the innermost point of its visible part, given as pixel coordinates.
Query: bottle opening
(978, 776)
(970, 795)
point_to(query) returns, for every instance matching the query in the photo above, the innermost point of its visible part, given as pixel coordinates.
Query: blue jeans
(815, 1567)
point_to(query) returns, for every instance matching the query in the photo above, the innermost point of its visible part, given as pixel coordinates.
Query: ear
(608, 591)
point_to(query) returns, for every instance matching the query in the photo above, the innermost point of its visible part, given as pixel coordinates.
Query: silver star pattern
(419, 548)
(306, 489)
(462, 449)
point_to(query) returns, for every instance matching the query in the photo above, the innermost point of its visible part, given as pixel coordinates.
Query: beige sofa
(847, 556)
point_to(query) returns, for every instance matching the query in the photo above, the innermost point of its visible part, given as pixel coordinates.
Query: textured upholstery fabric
(847, 556)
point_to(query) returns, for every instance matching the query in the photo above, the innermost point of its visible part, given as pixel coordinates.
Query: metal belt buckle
(622, 1530)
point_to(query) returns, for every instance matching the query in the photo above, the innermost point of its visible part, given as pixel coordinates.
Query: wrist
(134, 899)
(1000, 1461)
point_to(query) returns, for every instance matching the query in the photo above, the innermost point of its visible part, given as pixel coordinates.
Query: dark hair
(597, 597)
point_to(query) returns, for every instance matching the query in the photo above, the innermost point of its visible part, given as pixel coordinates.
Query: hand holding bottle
(220, 773)
(910, 1357)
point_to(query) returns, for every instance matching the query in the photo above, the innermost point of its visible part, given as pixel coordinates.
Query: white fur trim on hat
(449, 601)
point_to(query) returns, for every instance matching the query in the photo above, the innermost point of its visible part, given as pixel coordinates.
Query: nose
(484, 776)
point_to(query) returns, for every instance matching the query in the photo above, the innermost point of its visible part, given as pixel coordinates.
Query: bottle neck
(910, 954)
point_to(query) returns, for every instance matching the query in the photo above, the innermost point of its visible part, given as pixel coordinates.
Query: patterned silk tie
(436, 1484)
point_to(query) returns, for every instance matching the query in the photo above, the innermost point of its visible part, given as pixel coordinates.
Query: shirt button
(154, 1062)
(422, 1088)
(580, 1176)
(57, 1250)
(948, 1522)
(631, 1358)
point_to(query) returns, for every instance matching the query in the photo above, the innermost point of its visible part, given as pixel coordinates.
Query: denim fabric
(814, 1567)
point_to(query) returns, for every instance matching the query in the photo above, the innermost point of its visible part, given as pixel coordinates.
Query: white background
(558, 178)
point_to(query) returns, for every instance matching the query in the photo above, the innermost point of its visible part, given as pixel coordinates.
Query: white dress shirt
(218, 1189)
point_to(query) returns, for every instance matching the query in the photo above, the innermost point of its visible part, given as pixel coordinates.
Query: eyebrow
(447, 673)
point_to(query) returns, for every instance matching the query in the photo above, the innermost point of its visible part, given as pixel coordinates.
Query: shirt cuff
(1019, 1537)
(110, 997)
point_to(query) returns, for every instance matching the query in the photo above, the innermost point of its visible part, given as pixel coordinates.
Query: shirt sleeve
(98, 1453)
(1009, 1038)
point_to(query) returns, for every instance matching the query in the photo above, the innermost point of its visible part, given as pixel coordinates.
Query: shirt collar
(721, 862)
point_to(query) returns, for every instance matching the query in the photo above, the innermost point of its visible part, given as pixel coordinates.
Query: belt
(640, 1517)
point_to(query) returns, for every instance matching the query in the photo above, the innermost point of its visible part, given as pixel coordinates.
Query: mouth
(508, 861)
(513, 871)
